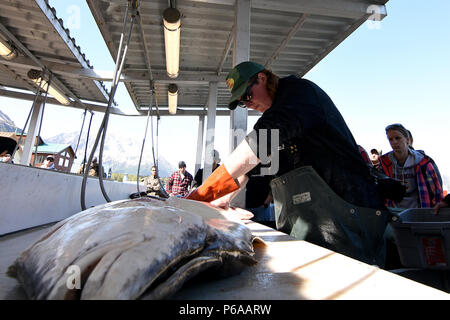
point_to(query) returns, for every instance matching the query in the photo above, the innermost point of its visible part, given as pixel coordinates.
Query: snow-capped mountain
(6, 124)
(121, 153)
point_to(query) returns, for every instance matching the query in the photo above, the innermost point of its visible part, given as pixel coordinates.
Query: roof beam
(227, 49)
(24, 49)
(334, 8)
(30, 97)
(107, 75)
(333, 45)
(283, 44)
(17, 77)
(70, 44)
(187, 112)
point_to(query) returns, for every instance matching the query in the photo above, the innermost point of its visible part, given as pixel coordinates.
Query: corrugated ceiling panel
(206, 27)
(29, 24)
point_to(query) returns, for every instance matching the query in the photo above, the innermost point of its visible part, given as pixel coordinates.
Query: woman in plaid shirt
(414, 168)
(179, 182)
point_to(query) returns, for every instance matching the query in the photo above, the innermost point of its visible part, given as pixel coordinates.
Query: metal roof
(43, 42)
(287, 36)
(53, 148)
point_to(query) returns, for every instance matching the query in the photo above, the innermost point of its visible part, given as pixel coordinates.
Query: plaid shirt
(179, 186)
(429, 182)
(365, 155)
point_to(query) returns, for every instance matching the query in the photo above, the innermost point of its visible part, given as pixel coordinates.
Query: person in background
(417, 171)
(93, 170)
(321, 171)
(49, 163)
(258, 200)
(152, 184)
(5, 157)
(375, 158)
(198, 179)
(179, 182)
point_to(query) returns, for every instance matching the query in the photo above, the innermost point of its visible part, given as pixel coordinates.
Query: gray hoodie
(407, 175)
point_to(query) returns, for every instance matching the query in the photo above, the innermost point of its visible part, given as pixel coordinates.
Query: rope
(81, 131)
(87, 142)
(103, 127)
(143, 143)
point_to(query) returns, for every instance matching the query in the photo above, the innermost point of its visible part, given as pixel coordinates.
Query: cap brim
(236, 95)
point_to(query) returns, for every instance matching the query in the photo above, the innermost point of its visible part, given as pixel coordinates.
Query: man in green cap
(323, 191)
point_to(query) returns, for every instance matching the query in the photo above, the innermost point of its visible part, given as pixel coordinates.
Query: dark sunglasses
(247, 96)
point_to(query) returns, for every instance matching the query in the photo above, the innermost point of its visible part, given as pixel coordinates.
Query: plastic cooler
(423, 238)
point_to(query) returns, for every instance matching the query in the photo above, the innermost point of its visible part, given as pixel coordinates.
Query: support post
(200, 132)
(32, 131)
(210, 129)
(241, 53)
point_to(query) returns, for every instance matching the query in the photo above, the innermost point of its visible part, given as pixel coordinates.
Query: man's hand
(445, 203)
(223, 203)
(438, 206)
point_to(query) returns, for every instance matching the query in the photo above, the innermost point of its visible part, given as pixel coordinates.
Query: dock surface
(287, 269)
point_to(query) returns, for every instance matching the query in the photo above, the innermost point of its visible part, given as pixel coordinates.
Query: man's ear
(262, 77)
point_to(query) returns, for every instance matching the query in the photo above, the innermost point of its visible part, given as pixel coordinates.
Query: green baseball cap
(237, 80)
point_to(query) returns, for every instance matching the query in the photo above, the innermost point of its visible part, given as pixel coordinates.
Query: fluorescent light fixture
(35, 76)
(172, 23)
(173, 98)
(6, 51)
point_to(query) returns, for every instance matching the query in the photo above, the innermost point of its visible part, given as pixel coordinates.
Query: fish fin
(12, 271)
(179, 277)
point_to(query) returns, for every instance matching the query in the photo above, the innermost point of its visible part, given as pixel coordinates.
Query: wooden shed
(62, 153)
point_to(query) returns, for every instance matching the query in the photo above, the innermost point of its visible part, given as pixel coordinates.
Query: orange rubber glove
(218, 184)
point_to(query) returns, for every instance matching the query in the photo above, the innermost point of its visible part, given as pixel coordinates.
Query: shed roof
(43, 41)
(287, 36)
(53, 148)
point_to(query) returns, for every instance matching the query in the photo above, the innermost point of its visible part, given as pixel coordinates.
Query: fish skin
(123, 247)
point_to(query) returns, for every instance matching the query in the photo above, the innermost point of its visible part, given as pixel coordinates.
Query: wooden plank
(290, 269)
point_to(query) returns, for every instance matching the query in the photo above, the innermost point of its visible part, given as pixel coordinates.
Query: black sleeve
(198, 178)
(257, 190)
(447, 199)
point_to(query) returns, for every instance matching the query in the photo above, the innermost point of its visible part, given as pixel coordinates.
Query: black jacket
(312, 132)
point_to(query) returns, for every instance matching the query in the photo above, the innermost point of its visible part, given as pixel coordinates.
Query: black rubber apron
(308, 209)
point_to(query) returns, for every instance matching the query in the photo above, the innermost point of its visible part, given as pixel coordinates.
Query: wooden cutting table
(287, 269)
(290, 269)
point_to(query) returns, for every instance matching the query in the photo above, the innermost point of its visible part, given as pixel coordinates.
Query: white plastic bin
(423, 238)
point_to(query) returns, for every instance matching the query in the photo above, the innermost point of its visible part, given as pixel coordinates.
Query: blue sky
(396, 71)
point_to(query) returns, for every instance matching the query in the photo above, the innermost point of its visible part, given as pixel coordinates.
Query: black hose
(81, 131)
(104, 125)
